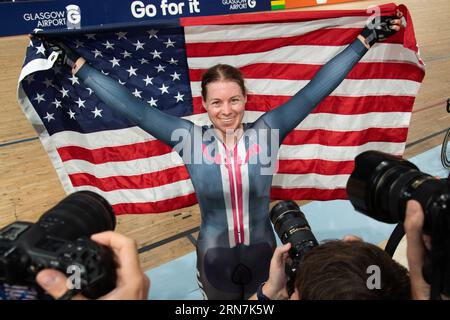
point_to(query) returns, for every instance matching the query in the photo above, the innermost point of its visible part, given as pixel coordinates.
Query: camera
(291, 226)
(59, 240)
(380, 186)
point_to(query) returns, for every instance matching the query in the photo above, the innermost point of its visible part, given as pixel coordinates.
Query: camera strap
(444, 158)
(395, 238)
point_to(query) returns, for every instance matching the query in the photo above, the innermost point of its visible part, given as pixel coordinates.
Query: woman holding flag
(231, 177)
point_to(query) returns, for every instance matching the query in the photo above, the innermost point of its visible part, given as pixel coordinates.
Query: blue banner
(25, 17)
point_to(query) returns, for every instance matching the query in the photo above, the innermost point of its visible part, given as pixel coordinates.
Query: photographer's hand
(132, 283)
(275, 286)
(416, 250)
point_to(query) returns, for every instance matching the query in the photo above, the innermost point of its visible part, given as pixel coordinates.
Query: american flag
(93, 148)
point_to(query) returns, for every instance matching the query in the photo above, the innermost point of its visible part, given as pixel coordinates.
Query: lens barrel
(375, 172)
(291, 225)
(381, 184)
(83, 213)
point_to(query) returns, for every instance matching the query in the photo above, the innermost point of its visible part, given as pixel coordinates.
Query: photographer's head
(338, 270)
(350, 270)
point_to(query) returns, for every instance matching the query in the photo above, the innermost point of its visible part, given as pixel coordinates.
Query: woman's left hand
(380, 28)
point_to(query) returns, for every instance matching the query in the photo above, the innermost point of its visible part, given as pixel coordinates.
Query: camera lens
(291, 226)
(369, 185)
(82, 213)
(381, 184)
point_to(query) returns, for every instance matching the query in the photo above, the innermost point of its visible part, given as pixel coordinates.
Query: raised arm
(159, 124)
(287, 116)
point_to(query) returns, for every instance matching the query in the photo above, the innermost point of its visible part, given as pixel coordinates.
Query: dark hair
(222, 72)
(338, 270)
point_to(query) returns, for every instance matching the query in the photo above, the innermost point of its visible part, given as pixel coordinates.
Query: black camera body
(291, 226)
(60, 240)
(380, 187)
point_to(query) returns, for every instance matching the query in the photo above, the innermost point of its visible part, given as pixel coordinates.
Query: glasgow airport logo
(239, 4)
(73, 16)
(70, 18)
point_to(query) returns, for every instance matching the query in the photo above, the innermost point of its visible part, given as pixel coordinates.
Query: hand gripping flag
(93, 148)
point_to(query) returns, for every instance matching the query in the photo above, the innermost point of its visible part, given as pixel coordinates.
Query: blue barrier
(25, 17)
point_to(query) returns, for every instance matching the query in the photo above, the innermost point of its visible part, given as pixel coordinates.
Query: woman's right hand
(78, 64)
(66, 54)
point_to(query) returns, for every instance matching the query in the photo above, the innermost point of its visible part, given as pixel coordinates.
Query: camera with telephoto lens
(291, 226)
(59, 240)
(380, 186)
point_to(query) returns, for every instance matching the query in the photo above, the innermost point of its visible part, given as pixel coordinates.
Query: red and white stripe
(235, 187)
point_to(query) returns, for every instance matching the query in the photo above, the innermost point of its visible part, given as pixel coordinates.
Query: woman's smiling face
(225, 104)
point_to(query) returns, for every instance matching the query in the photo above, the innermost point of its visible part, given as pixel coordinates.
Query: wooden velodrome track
(29, 185)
